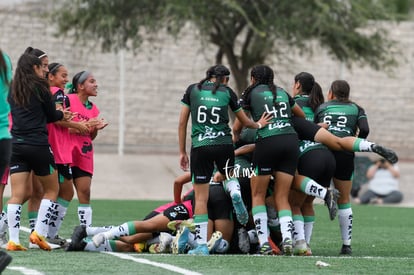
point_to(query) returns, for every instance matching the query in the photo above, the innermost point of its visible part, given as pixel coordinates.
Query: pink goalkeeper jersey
(59, 138)
(82, 153)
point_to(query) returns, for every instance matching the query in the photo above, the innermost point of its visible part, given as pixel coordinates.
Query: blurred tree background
(244, 32)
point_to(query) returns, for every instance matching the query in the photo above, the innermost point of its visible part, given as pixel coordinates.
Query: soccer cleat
(180, 241)
(3, 240)
(241, 212)
(153, 248)
(275, 248)
(244, 241)
(265, 249)
(139, 247)
(346, 250)
(57, 240)
(201, 250)
(77, 243)
(98, 239)
(175, 225)
(331, 201)
(35, 238)
(287, 247)
(165, 242)
(308, 251)
(5, 260)
(386, 153)
(300, 248)
(76, 246)
(12, 246)
(214, 241)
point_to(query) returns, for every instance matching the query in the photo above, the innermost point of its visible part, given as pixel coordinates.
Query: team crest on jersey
(210, 134)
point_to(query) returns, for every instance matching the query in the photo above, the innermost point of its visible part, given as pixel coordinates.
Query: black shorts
(78, 173)
(344, 165)
(319, 165)
(26, 158)
(64, 172)
(306, 130)
(219, 204)
(204, 158)
(177, 212)
(276, 153)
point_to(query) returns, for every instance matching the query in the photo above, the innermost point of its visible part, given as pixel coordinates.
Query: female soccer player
(208, 102)
(276, 152)
(344, 118)
(84, 86)
(31, 108)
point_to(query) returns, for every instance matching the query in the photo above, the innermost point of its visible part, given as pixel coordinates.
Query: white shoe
(98, 239)
(214, 241)
(165, 242)
(300, 248)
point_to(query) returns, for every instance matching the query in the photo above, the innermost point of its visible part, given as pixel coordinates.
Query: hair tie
(83, 76)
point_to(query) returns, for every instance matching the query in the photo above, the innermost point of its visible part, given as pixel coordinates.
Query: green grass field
(382, 244)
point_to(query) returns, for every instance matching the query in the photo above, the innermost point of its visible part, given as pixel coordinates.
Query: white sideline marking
(25, 271)
(24, 229)
(162, 265)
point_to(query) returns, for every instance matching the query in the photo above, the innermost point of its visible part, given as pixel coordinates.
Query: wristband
(260, 125)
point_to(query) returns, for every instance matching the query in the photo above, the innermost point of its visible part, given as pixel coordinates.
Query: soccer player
(208, 102)
(344, 118)
(84, 86)
(31, 108)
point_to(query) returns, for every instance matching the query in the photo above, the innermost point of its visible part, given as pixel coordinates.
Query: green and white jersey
(210, 113)
(261, 100)
(5, 79)
(307, 145)
(303, 102)
(342, 117)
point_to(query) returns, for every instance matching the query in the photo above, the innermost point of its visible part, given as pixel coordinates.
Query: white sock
(201, 232)
(312, 188)
(32, 221)
(14, 212)
(308, 227)
(93, 230)
(191, 240)
(345, 223)
(54, 221)
(46, 214)
(286, 224)
(85, 214)
(62, 209)
(299, 230)
(122, 230)
(365, 145)
(260, 222)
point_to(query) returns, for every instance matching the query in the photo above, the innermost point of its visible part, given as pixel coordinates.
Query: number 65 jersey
(210, 113)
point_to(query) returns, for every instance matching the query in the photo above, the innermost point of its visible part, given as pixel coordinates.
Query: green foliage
(244, 32)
